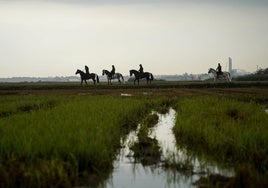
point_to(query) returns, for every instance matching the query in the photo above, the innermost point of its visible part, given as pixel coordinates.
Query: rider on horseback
(219, 72)
(141, 68)
(112, 71)
(86, 68)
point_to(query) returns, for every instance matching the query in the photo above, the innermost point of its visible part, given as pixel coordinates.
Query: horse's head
(77, 71)
(103, 72)
(133, 71)
(210, 70)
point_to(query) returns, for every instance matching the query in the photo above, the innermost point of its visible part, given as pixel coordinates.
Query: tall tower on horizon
(230, 65)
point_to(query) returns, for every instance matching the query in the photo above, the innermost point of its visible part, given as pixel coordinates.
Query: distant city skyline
(56, 37)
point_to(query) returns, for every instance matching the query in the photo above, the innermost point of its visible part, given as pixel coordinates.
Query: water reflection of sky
(128, 174)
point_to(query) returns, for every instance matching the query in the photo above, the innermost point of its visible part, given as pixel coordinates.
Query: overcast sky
(56, 37)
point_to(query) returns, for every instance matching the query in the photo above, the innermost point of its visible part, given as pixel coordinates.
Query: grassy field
(59, 133)
(79, 135)
(227, 130)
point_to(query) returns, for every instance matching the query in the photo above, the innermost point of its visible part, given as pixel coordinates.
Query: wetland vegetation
(227, 130)
(62, 135)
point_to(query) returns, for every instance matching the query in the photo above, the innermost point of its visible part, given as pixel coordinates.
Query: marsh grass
(227, 129)
(77, 138)
(151, 120)
(58, 134)
(12, 104)
(147, 150)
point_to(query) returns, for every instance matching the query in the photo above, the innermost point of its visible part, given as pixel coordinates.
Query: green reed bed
(14, 104)
(227, 129)
(72, 139)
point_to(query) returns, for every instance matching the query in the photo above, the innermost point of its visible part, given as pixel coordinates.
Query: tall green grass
(14, 104)
(227, 129)
(78, 137)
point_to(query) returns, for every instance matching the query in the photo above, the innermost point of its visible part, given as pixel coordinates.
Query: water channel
(127, 173)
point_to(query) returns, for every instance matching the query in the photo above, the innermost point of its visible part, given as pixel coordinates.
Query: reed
(227, 129)
(72, 139)
(14, 104)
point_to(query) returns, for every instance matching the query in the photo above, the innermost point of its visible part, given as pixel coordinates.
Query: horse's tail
(152, 77)
(122, 78)
(98, 81)
(230, 77)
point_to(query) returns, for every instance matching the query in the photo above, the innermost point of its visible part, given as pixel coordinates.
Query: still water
(130, 174)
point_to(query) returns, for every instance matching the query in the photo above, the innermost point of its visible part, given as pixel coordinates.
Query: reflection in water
(129, 174)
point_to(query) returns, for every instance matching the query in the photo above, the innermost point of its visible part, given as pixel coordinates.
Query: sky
(41, 38)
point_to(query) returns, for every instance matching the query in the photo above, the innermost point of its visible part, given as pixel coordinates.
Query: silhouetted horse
(85, 76)
(110, 77)
(223, 76)
(147, 75)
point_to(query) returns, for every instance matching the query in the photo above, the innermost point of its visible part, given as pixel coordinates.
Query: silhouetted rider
(112, 71)
(86, 68)
(219, 72)
(141, 69)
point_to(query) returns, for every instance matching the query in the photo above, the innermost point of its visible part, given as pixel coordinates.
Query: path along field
(59, 133)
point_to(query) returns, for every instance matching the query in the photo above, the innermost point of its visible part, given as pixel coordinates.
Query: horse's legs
(135, 81)
(86, 82)
(81, 82)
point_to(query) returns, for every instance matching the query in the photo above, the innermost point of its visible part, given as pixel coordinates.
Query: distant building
(230, 65)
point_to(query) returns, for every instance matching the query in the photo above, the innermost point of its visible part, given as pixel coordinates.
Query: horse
(223, 76)
(110, 77)
(138, 75)
(85, 76)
